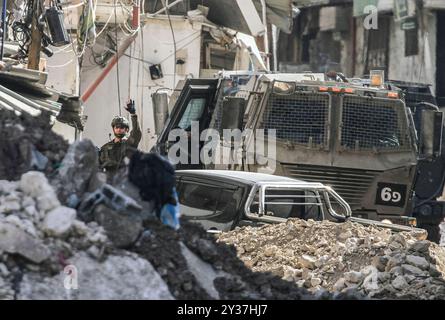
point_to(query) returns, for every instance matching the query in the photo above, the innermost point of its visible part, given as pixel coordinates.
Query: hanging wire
(117, 63)
(174, 40)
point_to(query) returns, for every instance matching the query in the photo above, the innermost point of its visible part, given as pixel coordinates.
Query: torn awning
(229, 13)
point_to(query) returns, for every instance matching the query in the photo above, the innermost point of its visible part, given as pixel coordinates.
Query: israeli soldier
(112, 154)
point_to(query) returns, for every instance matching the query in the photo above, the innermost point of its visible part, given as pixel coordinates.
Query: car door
(215, 205)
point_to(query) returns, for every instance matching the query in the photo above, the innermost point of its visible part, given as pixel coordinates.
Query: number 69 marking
(388, 195)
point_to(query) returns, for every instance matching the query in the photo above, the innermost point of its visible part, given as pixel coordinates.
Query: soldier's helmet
(120, 122)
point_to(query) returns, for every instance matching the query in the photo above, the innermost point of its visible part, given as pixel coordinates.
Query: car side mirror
(233, 109)
(431, 133)
(160, 110)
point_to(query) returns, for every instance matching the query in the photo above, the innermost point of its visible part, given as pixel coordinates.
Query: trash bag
(155, 178)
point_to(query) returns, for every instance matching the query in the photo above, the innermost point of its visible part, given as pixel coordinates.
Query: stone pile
(346, 257)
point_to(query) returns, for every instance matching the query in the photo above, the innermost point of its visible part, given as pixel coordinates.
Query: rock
(383, 277)
(409, 269)
(421, 246)
(379, 262)
(270, 251)
(394, 261)
(15, 240)
(353, 276)
(79, 165)
(344, 236)
(434, 272)
(8, 186)
(28, 201)
(307, 261)
(9, 206)
(396, 270)
(418, 262)
(370, 283)
(31, 211)
(3, 270)
(47, 201)
(59, 221)
(122, 229)
(340, 284)
(315, 281)
(34, 184)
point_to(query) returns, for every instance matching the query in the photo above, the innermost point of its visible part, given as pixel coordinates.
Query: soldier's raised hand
(130, 107)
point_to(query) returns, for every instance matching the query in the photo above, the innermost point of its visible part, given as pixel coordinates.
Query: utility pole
(36, 37)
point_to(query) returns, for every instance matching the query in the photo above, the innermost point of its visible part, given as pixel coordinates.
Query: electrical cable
(117, 63)
(174, 40)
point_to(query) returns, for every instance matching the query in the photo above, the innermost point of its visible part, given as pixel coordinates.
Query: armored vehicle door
(191, 114)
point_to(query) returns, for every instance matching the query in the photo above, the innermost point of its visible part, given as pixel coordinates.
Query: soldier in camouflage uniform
(112, 154)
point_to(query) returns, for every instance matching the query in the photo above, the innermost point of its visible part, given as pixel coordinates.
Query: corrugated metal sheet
(10, 100)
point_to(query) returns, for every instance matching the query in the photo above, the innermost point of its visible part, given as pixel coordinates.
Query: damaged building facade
(407, 43)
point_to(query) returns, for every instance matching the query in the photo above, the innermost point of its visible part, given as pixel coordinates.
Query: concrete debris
(371, 260)
(15, 240)
(59, 221)
(21, 137)
(122, 229)
(125, 276)
(77, 169)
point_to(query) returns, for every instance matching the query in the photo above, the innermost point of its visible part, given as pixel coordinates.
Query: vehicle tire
(433, 232)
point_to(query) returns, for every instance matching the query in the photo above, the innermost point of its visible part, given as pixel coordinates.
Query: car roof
(244, 176)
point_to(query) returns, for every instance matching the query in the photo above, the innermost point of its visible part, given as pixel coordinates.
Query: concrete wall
(134, 77)
(418, 68)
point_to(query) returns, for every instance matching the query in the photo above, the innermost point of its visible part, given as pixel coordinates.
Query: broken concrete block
(59, 221)
(307, 261)
(418, 262)
(8, 186)
(34, 184)
(122, 229)
(399, 283)
(15, 240)
(47, 201)
(9, 206)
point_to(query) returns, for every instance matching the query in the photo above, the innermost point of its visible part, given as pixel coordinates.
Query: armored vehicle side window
(193, 112)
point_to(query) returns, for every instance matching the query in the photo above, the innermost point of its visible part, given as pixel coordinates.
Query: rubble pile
(40, 237)
(64, 225)
(28, 143)
(344, 257)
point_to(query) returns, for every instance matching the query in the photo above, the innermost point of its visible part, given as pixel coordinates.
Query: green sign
(409, 23)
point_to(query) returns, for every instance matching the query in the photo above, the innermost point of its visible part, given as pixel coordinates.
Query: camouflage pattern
(112, 154)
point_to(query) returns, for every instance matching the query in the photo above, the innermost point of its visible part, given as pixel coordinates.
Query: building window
(411, 42)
